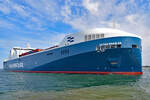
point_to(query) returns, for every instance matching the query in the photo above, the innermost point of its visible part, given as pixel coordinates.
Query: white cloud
(91, 6)
(20, 10)
(45, 8)
(9, 7)
(131, 19)
(34, 15)
(66, 11)
(4, 9)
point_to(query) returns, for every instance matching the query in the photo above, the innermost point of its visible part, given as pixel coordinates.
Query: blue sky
(44, 23)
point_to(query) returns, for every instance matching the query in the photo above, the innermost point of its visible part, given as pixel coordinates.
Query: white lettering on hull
(16, 65)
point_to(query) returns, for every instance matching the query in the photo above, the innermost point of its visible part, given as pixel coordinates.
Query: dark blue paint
(127, 61)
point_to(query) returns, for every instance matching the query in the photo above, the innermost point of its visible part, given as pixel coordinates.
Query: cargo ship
(94, 51)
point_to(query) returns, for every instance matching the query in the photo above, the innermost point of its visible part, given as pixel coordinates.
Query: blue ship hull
(84, 58)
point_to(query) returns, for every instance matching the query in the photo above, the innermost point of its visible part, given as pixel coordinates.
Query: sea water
(36, 86)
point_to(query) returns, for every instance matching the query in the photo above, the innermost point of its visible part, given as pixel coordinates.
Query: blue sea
(36, 86)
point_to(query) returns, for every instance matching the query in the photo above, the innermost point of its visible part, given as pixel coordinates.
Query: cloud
(30, 14)
(10, 7)
(42, 8)
(91, 6)
(4, 9)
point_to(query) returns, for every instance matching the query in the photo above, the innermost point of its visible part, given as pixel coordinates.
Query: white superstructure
(16, 51)
(93, 34)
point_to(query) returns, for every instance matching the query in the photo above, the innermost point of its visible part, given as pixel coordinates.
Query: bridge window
(113, 46)
(89, 37)
(93, 36)
(86, 38)
(97, 36)
(134, 46)
(102, 35)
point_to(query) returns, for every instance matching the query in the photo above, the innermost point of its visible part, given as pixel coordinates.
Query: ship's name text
(15, 65)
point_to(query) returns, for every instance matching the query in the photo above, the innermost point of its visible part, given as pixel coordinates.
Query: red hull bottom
(82, 72)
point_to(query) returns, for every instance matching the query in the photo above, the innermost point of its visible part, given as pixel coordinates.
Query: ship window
(102, 35)
(89, 37)
(134, 46)
(49, 53)
(113, 46)
(86, 38)
(102, 48)
(93, 36)
(98, 48)
(118, 45)
(97, 36)
(107, 46)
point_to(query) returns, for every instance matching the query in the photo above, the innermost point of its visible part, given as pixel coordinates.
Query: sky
(44, 23)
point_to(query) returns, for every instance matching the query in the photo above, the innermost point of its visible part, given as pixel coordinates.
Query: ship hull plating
(84, 58)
